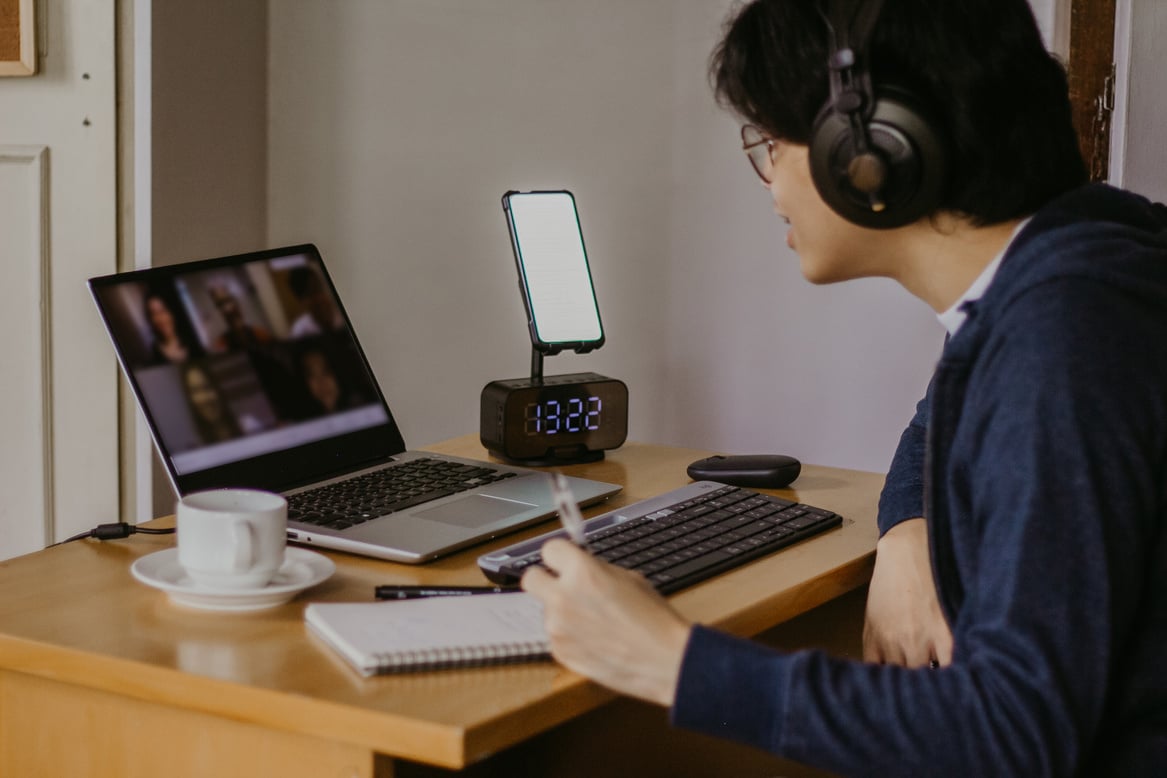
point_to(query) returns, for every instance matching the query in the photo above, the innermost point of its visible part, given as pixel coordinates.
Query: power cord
(115, 532)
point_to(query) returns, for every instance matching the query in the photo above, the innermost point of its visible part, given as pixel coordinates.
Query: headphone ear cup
(908, 184)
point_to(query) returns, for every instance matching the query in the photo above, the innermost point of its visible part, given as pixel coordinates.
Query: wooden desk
(102, 676)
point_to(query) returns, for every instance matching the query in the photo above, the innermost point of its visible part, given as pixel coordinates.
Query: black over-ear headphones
(875, 156)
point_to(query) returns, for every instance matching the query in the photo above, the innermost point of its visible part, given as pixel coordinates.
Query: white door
(58, 227)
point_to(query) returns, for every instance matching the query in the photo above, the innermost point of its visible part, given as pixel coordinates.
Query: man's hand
(904, 623)
(609, 623)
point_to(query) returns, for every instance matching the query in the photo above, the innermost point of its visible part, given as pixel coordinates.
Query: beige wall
(392, 128)
(391, 152)
(209, 101)
(208, 177)
(391, 149)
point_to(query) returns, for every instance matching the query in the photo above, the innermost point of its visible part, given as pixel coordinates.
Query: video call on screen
(233, 362)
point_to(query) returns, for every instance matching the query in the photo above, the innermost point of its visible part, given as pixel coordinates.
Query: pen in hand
(568, 510)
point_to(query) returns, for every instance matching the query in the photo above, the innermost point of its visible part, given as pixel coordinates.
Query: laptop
(249, 374)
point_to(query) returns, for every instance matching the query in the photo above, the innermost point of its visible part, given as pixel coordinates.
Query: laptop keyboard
(346, 503)
(681, 538)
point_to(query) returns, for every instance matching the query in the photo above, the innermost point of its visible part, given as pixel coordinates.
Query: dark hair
(979, 67)
(301, 279)
(166, 295)
(208, 431)
(162, 295)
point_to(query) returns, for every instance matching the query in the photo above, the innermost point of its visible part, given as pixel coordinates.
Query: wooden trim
(1091, 68)
(17, 37)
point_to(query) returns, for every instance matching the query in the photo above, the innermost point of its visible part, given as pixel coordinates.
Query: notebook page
(370, 633)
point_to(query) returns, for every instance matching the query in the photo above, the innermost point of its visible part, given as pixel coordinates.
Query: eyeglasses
(759, 150)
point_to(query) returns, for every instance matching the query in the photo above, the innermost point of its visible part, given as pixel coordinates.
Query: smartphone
(554, 276)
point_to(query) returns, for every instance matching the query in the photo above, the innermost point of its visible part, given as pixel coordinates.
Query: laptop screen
(247, 369)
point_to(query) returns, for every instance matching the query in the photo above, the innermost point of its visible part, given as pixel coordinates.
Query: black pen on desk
(417, 592)
(568, 510)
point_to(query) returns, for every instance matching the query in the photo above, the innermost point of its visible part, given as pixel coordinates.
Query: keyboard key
(394, 488)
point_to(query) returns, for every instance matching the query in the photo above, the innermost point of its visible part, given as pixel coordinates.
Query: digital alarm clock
(557, 419)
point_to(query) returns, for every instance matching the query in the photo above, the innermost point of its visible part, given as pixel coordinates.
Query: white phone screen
(550, 251)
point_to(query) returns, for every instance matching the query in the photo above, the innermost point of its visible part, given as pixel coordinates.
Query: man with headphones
(1017, 617)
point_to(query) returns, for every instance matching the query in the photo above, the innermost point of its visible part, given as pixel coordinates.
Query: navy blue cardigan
(1038, 458)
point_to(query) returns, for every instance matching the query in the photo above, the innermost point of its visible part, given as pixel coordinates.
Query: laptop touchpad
(475, 511)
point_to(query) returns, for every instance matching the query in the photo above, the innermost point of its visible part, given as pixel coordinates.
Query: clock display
(561, 418)
(552, 417)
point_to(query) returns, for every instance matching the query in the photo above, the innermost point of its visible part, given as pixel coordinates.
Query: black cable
(116, 531)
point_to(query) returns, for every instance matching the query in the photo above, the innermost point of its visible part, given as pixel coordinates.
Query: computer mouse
(761, 471)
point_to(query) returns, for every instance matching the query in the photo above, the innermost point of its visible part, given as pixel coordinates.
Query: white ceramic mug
(232, 538)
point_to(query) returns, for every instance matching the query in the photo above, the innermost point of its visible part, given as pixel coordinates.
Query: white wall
(394, 129)
(759, 359)
(392, 147)
(1137, 159)
(1053, 19)
(385, 130)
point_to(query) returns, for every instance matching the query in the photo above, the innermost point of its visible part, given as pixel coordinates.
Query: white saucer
(300, 570)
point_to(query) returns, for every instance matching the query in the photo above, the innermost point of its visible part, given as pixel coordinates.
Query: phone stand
(561, 419)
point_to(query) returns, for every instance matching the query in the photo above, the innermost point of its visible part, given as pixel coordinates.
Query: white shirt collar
(955, 315)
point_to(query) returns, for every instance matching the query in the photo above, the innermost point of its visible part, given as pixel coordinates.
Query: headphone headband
(875, 158)
(847, 64)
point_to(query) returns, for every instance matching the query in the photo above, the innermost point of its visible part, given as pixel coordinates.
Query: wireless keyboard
(681, 537)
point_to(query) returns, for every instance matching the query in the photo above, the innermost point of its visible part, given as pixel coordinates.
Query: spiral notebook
(432, 633)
